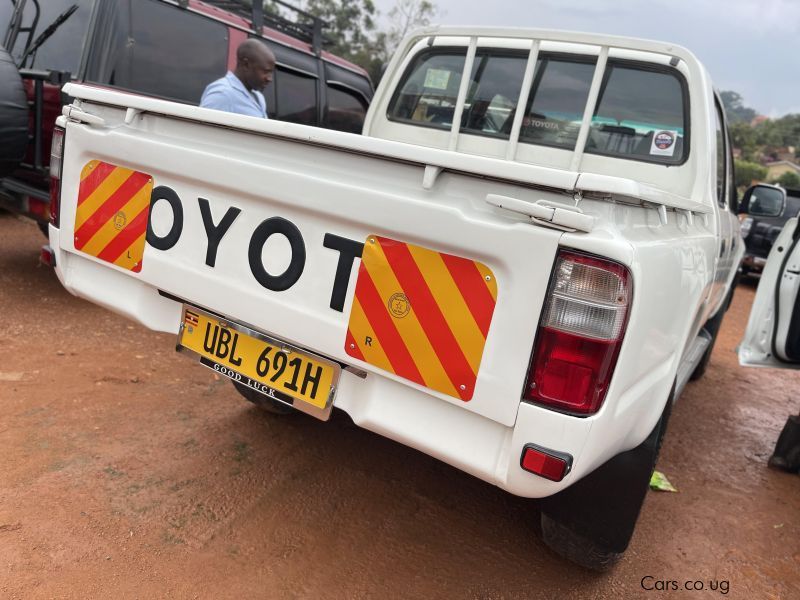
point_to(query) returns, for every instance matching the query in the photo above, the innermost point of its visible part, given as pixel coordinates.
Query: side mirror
(763, 200)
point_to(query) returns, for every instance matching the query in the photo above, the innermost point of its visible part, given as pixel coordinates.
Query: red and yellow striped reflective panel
(111, 218)
(421, 314)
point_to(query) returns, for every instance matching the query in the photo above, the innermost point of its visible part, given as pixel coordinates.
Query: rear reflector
(546, 463)
(580, 333)
(47, 256)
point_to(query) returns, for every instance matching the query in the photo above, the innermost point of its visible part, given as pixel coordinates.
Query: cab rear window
(640, 113)
(429, 91)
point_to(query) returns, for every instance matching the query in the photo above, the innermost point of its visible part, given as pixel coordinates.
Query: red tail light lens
(55, 201)
(56, 155)
(580, 333)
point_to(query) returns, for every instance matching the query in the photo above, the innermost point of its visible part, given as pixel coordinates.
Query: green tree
(406, 16)
(735, 109)
(788, 127)
(744, 137)
(788, 180)
(748, 172)
(351, 27)
(351, 24)
(769, 133)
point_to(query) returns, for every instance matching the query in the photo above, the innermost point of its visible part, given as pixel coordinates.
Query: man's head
(255, 64)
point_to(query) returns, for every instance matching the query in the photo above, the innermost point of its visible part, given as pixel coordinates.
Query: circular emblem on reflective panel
(399, 305)
(119, 220)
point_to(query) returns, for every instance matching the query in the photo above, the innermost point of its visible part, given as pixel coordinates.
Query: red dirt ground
(131, 471)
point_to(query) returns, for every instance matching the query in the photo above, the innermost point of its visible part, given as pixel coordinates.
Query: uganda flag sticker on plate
(422, 315)
(111, 218)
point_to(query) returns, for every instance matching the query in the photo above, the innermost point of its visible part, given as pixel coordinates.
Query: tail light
(56, 155)
(580, 333)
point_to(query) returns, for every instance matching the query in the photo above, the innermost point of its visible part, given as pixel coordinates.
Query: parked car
(772, 337)
(767, 207)
(156, 48)
(516, 268)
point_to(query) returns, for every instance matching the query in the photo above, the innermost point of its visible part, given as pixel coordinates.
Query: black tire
(591, 522)
(13, 116)
(577, 548)
(265, 403)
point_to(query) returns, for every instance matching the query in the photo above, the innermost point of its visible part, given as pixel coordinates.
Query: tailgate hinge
(544, 212)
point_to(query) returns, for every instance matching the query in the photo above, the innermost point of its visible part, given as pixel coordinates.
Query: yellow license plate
(269, 366)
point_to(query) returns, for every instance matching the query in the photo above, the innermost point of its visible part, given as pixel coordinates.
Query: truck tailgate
(269, 232)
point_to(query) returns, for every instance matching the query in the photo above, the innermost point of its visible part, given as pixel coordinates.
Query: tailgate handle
(545, 213)
(78, 115)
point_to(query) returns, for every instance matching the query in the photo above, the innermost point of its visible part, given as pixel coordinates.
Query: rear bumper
(464, 439)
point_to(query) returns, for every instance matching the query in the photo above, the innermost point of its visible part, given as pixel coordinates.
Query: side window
(296, 97)
(557, 102)
(63, 49)
(640, 115)
(722, 154)
(428, 94)
(155, 48)
(346, 111)
(493, 94)
(733, 198)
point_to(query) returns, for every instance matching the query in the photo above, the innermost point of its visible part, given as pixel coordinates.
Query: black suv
(767, 207)
(163, 48)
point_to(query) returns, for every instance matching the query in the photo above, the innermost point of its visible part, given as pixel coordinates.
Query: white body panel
(353, 186)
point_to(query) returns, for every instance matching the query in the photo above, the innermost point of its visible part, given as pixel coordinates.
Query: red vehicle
(162, 48)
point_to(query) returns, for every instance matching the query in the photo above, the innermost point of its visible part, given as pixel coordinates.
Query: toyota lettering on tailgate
(348, 249)
(418, 313)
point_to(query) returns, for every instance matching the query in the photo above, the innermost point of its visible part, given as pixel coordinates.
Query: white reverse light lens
(587, 300)
(587, 282)
(56, 152)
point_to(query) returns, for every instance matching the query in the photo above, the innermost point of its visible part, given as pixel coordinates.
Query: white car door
(772, 338)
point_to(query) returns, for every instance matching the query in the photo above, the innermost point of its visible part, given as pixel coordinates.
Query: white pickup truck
(515, 269)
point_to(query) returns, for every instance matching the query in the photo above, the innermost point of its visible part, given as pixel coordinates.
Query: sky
(748, 46)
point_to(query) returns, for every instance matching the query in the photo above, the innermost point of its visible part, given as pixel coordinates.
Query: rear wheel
(13, 116)
(263, 402)
(591, 522)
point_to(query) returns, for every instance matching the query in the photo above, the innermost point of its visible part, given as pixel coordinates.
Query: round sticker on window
(664, 140)
(664, 143)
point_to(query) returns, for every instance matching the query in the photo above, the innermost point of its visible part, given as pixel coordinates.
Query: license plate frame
(243, 374)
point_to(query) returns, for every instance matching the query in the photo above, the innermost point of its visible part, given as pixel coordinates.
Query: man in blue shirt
(240, 91)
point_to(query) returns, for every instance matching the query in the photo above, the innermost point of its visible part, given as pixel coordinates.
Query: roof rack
(309, 29)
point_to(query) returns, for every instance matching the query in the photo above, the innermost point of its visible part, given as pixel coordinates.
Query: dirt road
(128, 470)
